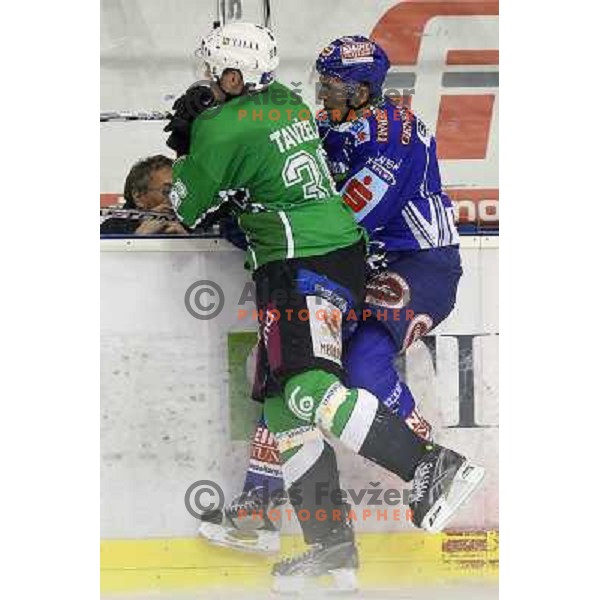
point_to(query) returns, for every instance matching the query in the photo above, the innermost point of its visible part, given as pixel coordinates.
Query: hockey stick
(134, 115)
(220, 15)
(125, 116)
(136, 215)
(222, 18)
(267, 13)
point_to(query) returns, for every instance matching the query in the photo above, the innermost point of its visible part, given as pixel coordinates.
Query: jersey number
(309, 171)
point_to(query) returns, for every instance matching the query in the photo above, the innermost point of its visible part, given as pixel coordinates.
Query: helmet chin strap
(353, 89)
(246, 90)
(353, 109)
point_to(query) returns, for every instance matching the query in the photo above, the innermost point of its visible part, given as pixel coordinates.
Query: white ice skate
(243, 525)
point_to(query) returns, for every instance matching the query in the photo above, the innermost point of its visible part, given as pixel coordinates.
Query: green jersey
(267, 145)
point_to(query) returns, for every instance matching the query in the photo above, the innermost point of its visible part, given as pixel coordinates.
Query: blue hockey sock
(369, 364)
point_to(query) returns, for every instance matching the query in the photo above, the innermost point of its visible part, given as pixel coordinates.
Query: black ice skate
(443, 481)
(302, 573)
(243, 525)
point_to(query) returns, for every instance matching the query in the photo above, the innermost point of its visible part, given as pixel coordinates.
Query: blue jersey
(385, 165)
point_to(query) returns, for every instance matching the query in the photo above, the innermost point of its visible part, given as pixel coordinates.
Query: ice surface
(451, 591)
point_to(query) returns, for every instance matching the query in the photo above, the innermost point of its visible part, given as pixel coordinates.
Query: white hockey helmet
(249, 48)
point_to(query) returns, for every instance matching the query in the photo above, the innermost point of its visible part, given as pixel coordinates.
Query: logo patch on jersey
(378, 166)
(177, 194)
(419, 326)
(302, 406)
(361, 131)
(357, 52)
(325, 321)
(408, 118)
(264, 447)
(364, 191)
(383, 128)
(389, 290)
(388, 163)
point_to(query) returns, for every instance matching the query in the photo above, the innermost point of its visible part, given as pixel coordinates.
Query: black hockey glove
(186, 108)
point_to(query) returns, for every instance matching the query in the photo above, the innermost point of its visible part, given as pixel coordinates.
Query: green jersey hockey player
(258, 147)
(263, 149)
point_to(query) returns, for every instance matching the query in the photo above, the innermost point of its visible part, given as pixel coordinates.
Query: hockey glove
(186, 108)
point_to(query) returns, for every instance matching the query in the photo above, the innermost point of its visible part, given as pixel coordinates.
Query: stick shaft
(134, 115)
(267, 13)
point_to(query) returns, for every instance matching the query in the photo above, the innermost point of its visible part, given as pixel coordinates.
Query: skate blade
(465, 482)
(339, 581)
(255, 542)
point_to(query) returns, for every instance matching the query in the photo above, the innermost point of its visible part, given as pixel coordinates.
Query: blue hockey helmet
(354, 60)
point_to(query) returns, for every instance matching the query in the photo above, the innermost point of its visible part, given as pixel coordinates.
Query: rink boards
(175, 410)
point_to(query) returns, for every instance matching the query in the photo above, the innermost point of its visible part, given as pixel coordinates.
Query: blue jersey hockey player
(383, 159)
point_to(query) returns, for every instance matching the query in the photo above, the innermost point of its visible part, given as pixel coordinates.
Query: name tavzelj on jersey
(294, 134)
(385, 165)
(273, 176)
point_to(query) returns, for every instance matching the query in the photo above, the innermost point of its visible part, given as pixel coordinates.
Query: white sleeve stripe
(440, 219)
(288, 234)
(417, 226)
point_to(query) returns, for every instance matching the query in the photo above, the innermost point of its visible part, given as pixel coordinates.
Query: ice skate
(443, 481)
(243, 525)
(332, 567)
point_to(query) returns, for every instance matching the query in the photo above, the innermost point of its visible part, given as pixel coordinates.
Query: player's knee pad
(320, 398)
(347, 414)
(304, 392)
(277, 416)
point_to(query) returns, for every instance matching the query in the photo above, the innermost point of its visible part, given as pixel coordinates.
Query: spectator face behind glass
(147, 188)
(156, 195)
(148, 184)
